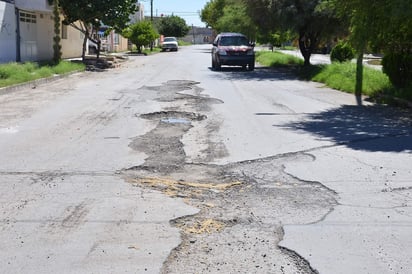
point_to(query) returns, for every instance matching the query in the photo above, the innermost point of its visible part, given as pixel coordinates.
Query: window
(28, 17)
(116, 38)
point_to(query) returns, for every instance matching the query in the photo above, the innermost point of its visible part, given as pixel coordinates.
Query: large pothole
(243, 205)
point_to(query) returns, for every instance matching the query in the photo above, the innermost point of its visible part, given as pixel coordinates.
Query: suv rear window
(233, 41)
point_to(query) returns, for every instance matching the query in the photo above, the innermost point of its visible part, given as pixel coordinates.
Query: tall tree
(236, 19)
(88, 16)
(212, 11)
(228, 16)
(173, 26)
(311, 21)
(385, 26)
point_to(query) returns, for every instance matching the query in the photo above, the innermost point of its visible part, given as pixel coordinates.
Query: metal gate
(28, 36)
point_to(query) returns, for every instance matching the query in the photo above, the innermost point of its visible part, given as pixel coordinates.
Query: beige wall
(73, 44)
(115, 42)
(45, 33)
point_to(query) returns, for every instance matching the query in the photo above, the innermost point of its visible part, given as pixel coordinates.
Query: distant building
(138, 15)
(199, 35)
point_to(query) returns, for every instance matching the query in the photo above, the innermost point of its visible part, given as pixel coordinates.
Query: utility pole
(151, 10)
(194, 36)
(151, 20)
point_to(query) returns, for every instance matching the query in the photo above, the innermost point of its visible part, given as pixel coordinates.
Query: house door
(28, 36)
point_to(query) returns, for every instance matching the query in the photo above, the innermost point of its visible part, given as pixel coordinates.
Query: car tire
(251, 66)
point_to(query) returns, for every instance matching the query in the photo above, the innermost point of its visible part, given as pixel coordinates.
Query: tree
(92, 14)
(57, 53)
(228, 16)
(236, 19)
(311, 21)
(173, 26)
(141, 34)
(385, 26)
(212, 11)
(394, 39)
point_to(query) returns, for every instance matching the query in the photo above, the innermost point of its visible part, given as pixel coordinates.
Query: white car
(170, 43)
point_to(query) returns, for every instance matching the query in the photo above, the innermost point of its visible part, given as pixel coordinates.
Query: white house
(7, 32)
(27, 30)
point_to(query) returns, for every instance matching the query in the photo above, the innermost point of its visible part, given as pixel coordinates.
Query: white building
(27, 30)
(138, 15)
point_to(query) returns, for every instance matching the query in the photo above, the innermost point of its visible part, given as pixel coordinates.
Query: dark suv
(232, 49)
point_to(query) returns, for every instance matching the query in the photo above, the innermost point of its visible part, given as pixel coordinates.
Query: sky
(187, 9)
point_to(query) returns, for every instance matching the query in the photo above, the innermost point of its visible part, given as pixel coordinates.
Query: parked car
(170, 43)
(233, 49)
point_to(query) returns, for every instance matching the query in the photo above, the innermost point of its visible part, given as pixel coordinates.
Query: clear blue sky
(187, 9)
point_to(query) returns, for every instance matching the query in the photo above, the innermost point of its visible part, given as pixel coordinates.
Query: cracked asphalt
(165, 166)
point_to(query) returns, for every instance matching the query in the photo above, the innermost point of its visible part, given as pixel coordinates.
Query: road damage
(242, 206)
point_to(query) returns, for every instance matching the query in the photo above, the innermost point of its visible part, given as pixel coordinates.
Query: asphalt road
(165, 166)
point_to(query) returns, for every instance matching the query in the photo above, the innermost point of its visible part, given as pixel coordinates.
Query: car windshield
(234, 41)
(170, 39)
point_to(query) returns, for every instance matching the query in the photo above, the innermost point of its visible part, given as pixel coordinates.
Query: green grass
(341, 76)
(271, 59)
(183, 43)
(17, 73)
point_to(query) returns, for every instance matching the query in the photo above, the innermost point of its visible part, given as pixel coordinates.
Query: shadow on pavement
(369, 128)
(259, 74)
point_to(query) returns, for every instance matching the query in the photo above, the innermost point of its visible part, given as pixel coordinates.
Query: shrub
(398, 67)
(342, 52)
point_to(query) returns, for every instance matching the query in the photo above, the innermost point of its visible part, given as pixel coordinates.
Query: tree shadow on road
(259, 74)
(370, 128)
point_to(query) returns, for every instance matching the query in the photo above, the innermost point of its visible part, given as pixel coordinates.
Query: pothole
(174, 116)
(173, 120)
(242, 205)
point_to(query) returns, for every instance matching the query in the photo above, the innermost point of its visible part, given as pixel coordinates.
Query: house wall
(114, 42)
(33, 5)
(7, 33)
(45, 34)
(36, 35)
(72, 44)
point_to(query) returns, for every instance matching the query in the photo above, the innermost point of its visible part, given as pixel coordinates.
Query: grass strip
(340, 76)
(17, 73)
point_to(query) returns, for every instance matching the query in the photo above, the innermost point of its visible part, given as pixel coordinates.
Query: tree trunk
(99, 47)
(86, 35)
(307, 43)
(359, 78)
(305, 52)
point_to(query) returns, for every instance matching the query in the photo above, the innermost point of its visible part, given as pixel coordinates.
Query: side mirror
(214, 44)
(252, 44)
